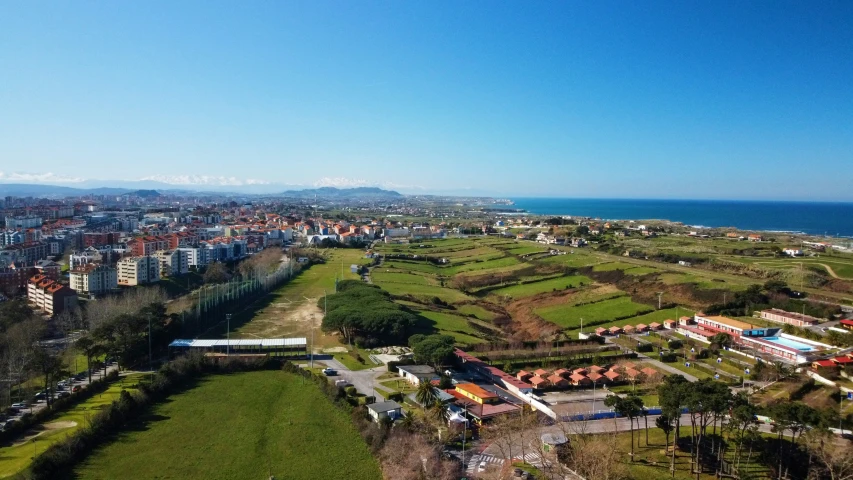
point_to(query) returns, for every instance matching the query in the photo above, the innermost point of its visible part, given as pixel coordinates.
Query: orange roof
(476, 390)
(731, 322)
(556, 379)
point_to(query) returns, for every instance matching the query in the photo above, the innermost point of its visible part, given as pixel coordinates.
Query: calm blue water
(809, 217)
(787, 342)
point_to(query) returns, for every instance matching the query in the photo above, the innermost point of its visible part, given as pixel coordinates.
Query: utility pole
(660, 294)
(228, 334)
(150, 361)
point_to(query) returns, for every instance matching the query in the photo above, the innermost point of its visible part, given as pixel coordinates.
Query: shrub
(645, 347)
(675, 344)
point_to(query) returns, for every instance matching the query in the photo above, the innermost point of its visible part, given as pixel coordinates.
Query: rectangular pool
(787, 342)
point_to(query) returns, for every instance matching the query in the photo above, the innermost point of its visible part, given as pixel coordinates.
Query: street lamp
(228, 334)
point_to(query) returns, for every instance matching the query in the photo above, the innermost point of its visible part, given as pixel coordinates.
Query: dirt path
(47, 427)
(829, 270)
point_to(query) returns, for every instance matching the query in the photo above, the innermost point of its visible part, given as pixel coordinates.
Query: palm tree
(426, 395)
(407, 421)
(439, 412)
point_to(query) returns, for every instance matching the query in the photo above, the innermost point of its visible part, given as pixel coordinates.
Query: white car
(482, 467)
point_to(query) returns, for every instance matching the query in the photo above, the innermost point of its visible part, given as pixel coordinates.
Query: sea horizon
(819, 218)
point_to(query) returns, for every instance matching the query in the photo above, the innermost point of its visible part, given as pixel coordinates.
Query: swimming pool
(787, 342)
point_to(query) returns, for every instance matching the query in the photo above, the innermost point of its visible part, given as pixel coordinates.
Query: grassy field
(291, 310)
(453, 325)
(534, 288)
(577, 259)
(671, 278)
(610, 266)
(425, 292)
(17, 457)
(570, 317)
(526, 250)
(240, 426)
(380, 276)
(477, 311)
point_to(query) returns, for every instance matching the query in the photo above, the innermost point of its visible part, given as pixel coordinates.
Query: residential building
(49, 296)
(172, 262)
(382, 410)
(27, 252)
(93, 279)
(142, 246)
(415, 374)
(29, 221)
(791, 318)
(49, 269)
(134, 271)
(476, 393)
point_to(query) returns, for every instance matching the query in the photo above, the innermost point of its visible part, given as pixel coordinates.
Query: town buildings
(791, 318)
(49, 296)
(93, 279)
(134, 271)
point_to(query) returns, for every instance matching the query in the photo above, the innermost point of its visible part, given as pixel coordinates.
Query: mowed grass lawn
(238, 426)
(17, 457)
(535, 288)
(576, 259)
(380, 275)
(570, 317)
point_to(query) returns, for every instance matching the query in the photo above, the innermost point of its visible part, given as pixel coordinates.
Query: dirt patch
(284, 319)
(335, 350)
(41, 429)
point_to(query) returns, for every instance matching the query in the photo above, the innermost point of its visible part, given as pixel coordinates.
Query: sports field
(244, 426)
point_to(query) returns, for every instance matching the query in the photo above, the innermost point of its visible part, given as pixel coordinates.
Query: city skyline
(656, 100)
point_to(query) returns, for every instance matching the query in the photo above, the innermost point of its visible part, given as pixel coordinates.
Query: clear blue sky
(590, 99)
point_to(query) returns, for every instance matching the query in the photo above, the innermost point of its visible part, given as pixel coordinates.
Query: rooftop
(476, 390)
(731, 322)
(417, 369)
(383, 407)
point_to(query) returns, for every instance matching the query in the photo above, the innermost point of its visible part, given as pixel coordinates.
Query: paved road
(363, 380)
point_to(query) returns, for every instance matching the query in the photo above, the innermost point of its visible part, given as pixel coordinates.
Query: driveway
(363, 380)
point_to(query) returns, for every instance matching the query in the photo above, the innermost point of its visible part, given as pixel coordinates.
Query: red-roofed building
(49, 296)
(628, 329)
(580, 380)
(596, 378)
(669, 324)
(848, 324)
(539, 382)
(642, 327)
(654, 326)
(541, 372)
(612, 376)
(600, 331)
(562, 372)
(558, 381)
(523, 375)
(823, 364)
(615, 330)
(843, 360)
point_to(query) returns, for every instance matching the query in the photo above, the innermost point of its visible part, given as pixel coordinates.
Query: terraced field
(453, 325)
(592, 313)
(535, 288)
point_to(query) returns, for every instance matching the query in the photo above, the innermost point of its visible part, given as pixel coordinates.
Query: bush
(668, 357)
(351, 391)
(675, 344)
(645, 347)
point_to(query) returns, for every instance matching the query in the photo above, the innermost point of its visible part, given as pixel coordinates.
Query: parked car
(64, 395)
(482, 467)
(40, 396)
(330, 372)
(75, 389)
(8, 424)
(19, 405)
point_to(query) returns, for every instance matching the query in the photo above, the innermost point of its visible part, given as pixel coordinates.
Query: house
(382, 410)
(752, 237)
(654, 326)
(596, 369)
(476, 393)
(615, 330)
(541, 373)
(597, 378)
(600, 331)
(846, 324)
(562, 372)
(611, 376)
(628, 329)
(649, 372)
(669, 324)
(642, 327)
(823, 364)
(580, 380)
(523, 375)
(558, 381)
(579, 371)
(415, 374)
(539, 382)
(632, 373)
(842, 361)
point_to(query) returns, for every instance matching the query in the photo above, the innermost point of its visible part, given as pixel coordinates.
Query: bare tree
(834, 455)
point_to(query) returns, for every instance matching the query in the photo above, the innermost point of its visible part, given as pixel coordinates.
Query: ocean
(814, 218)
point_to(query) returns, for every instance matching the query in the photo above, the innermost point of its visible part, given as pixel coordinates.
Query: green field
(239, 426)
(534, 288)
(380, 276)
(477, 311)
(570, 317)
(453, 325)
(425, 292)
(526, 250)
(641, 270)
(17, 457)
(577, 259)
(610, 266)
(671, 278)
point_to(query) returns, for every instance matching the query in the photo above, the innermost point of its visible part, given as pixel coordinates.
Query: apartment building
(49, 296)
(144, 246)
(93, 279)
(172, 262)
(134, 271)
(791, 318)
(29, 221)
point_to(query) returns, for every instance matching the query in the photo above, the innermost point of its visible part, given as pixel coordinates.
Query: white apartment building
(173, 262)
(134, 271)
(93, 279)
(196, 256)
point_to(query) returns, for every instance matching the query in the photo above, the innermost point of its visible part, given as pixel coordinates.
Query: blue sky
(582, 99)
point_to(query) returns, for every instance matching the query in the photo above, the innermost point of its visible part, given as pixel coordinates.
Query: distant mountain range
(333, 192)
(153, 189)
